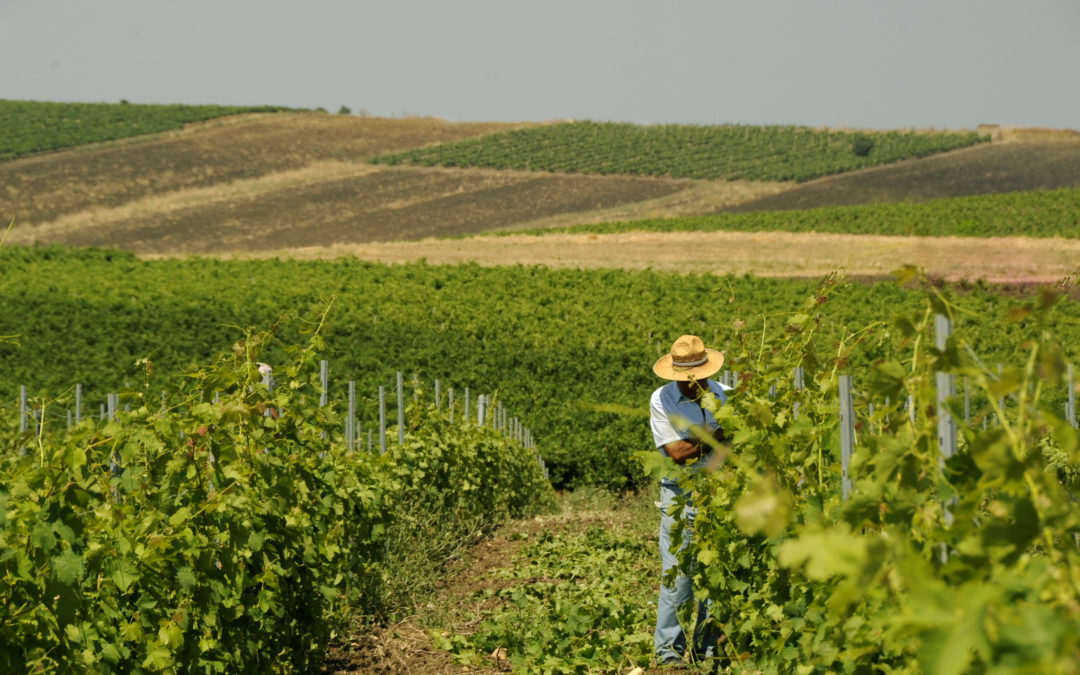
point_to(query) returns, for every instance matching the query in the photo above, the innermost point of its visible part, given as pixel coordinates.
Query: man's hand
(681, 451)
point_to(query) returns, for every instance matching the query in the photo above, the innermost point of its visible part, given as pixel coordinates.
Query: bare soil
(354, 204)
(42, 188)
(1030, 161)
(267, 181)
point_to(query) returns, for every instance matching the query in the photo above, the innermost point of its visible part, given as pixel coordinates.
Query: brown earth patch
(45, 187)
(298, 185)
(1027, 160)
(772, 254)
(267, 181)
(346, 204)
(699, 198)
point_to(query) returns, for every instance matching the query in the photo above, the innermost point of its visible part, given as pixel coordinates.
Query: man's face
(692, 388)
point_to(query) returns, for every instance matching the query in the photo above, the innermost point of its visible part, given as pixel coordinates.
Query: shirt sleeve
(663, 430)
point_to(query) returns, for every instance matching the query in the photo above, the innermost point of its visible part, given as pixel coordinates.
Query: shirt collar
(680, 397)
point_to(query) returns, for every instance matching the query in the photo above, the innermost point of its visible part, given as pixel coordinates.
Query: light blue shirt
(673, 417)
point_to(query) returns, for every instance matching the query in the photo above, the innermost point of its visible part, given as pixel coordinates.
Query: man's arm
(681, 450)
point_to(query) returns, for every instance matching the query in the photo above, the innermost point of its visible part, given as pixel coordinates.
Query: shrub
(861, 145)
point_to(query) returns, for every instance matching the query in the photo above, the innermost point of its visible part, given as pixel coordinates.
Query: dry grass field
(299, 185)
(773, 254)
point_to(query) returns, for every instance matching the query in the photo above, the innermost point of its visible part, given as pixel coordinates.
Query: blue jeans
(669, 640)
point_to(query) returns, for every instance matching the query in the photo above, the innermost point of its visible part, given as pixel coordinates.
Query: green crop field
(1041, 213)
(27, 127)
(556, 345)
(230, 533)
(682, 151)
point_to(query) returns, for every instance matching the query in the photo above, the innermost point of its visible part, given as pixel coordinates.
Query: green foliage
(11, 339)
(573, 603)
(1038, 213)
(931, 566)
(861, 145)
(521, 333)
(27, 127)
(229, 536)
(682, 151)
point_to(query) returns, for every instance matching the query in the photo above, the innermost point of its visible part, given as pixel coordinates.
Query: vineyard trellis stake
(799, 375)
(382, 420)
(324, 379)
(22, 416)
(400, 409)
(1001, 400)
(497, 415)
(847, 434)
(1072, 399)
(946, 388)
(350, 417)
(946, 425)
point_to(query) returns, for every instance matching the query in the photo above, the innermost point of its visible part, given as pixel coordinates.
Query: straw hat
(688, 359)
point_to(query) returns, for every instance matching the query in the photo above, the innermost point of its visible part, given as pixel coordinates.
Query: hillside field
(212, 518)
(291, 183)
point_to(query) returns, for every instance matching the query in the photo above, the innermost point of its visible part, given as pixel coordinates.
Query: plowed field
(984, 169)
(259, 182)
(43, 188)
(349, 205)
(300, 185)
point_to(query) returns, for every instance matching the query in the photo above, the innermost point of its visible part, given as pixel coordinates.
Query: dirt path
(461, 604)
(772, 254)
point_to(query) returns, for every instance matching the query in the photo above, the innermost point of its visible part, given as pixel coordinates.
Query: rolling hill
(303, 184)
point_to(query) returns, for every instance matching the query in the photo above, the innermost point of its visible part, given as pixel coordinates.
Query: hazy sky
(857, 63)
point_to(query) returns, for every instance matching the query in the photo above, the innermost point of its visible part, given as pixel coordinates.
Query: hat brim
(666, 369)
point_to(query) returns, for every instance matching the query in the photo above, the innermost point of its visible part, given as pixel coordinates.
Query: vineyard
(517, 333)
(898, 558)
(1050, 213)
(897, 491)
(916, 560)
(463, 325)
(187, 535)
(161, 532)
(731, 152)
(27, 127)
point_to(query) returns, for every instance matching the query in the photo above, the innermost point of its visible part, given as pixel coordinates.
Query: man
(679, 422)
